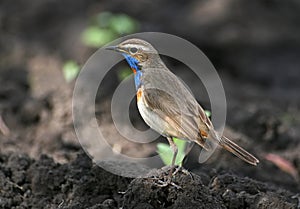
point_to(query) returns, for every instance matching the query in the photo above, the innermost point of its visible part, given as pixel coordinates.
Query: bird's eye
(133, 50)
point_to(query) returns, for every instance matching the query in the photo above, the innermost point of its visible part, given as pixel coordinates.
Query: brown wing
(187, 118)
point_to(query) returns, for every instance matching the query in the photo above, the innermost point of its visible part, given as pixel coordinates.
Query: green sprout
(207, 113)
(166, 153)
(70, 70)
(103, 28)
(95, 37)
(106, 27)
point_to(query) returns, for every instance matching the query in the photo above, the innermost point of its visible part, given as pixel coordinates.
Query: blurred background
(254, 45)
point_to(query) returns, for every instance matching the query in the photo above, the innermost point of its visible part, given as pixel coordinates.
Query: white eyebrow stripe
(139, 46)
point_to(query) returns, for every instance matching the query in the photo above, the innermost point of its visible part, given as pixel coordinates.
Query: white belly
(152, 119)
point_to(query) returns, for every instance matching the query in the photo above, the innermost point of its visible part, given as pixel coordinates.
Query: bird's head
(138, 53)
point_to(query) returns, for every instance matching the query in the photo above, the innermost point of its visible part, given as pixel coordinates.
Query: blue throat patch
(133, 63)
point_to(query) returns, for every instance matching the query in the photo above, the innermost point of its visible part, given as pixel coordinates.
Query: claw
(167, 180)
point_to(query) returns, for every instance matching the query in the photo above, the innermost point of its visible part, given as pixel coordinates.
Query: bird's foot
(164, 180)
(183, 170)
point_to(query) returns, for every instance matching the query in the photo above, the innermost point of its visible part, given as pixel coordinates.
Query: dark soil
(255, 45)
(28, 183)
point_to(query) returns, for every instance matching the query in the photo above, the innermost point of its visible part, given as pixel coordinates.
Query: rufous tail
(238, 151)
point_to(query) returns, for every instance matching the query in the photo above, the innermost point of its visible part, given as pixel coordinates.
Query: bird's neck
(134, 65)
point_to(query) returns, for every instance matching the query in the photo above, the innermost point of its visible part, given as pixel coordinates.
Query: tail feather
(238, 151)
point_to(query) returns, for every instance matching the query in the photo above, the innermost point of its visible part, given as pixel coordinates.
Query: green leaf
(70, 70)
(97, 37)
(123, 24)
(208, 113)
(166, 153)
(106, 26)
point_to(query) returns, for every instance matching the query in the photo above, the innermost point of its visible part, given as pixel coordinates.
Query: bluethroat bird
(167, 106)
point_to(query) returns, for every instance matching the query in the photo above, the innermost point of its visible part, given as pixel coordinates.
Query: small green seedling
(166, 153)
(94, 36)
(208, 113)
(70, 70)
(105, 27)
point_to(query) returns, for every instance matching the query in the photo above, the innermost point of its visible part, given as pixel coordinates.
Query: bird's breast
(149, 116)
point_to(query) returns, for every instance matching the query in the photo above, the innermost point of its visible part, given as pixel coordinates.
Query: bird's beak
(115, 48)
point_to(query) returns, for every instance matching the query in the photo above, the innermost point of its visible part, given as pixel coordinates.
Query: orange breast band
(139, 94)
(203, 134)
(134, 70)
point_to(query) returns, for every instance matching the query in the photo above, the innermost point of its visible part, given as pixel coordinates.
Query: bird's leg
(180, 168)
(171, 173)
(175, 150)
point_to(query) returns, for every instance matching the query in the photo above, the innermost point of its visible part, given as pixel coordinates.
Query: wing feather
(186, 122)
